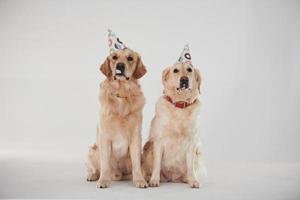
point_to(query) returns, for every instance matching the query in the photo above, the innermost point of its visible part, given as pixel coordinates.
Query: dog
(117, 152)
(172, 152)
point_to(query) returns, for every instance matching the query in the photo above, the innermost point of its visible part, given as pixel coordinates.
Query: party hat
(185, 56)
(114, 42)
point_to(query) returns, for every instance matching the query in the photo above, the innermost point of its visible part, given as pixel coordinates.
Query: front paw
(140, 183)
(102, 183)
(194, 184)
(154, 183)
(92, 177)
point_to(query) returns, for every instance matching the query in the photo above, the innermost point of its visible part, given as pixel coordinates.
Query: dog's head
(123, 65)
(181, 78)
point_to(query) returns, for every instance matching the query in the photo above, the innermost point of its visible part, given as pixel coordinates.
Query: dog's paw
(194, 184)
(140, 183)
(154, 183)
(92, 177)
(103, 183)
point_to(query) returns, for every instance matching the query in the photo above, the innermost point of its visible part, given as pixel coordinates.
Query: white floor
(42, 178)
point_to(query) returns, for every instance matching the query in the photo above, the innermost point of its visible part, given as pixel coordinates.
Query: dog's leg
(147, 160)
(135, 154)
(92, 164)
(105, 153)
(157, 156)
(190, 161)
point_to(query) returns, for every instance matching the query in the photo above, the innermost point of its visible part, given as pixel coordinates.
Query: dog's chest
(120, 146)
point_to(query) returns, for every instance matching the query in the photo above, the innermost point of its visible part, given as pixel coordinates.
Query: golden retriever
(117, 152)
(172, 152)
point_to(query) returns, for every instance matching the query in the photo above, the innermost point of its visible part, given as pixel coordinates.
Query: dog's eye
(189, 69)
(130, 58)
(175, 70)
(115, 57)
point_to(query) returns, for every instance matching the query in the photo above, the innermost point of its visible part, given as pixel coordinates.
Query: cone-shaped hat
(185, 56)
(114, 42)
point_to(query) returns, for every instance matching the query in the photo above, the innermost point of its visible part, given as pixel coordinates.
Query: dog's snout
(120, 67)
(184, 82)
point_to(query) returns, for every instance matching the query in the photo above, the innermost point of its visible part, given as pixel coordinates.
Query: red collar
(179, 104)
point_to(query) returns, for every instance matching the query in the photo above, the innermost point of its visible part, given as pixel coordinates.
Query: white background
(247, 51)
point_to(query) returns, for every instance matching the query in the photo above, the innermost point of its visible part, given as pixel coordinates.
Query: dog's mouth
(120, 76)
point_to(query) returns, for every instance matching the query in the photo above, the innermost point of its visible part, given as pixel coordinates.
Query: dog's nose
(120, 68)
(184, 82)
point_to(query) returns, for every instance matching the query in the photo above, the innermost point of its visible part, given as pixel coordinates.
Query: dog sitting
(117, 152)
(172, 152)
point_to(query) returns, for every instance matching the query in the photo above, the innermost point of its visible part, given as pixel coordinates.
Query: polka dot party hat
(114, 42)
(185, 56)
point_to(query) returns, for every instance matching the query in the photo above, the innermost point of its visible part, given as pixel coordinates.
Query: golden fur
(119, 126)
(172, 152)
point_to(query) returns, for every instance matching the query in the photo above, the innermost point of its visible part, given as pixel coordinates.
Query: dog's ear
(198, 78)
(105, 68)
(165, 74)
(140, 69)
